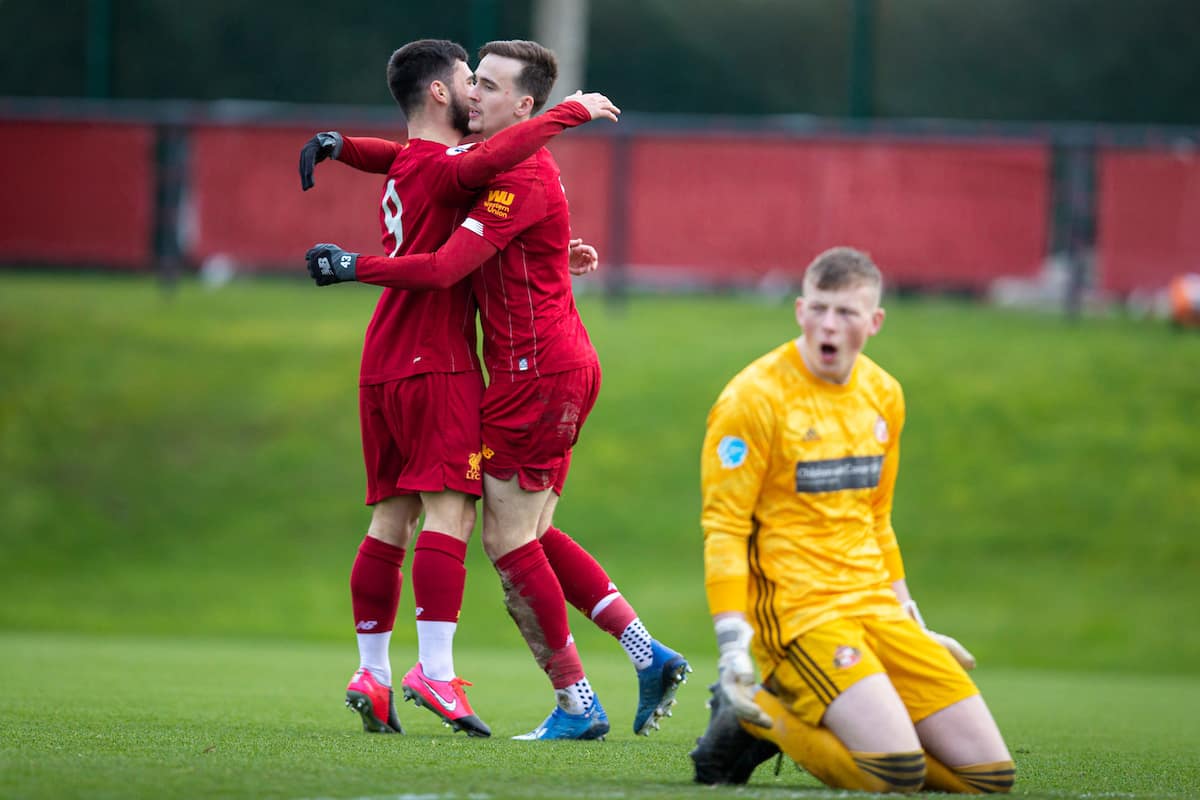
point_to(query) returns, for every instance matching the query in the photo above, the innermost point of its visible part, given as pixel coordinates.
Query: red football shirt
(428, 186)
(415, 331)
(530, 324)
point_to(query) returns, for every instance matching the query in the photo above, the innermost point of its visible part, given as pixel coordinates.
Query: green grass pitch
(180, 500)
(164, 717)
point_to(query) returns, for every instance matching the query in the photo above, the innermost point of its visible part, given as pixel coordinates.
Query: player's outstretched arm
(369, 154)
(479, 165)
(462, 253)
(364, 153)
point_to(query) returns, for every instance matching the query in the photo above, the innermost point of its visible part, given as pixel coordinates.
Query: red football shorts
(530, 426)
(421, 434)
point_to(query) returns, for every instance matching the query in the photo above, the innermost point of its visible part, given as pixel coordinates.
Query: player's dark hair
(413, 67)
(537, 77)
(843, 268)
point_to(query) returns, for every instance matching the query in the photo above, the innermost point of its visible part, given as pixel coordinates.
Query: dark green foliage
(1103, 60)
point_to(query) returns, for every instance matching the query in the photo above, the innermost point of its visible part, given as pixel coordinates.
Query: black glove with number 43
(328, 263)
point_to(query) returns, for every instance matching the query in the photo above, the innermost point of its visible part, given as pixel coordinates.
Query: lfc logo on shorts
(473, 462)
(846, 656)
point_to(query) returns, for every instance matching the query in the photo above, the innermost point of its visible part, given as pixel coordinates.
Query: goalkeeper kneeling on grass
(804, 576)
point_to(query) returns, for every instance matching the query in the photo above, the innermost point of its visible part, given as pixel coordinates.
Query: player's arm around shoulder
(513, 202)
(515, 144)
(597, 105)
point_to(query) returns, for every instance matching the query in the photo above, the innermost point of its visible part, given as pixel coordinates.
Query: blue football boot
(657, 685)
(591, 724)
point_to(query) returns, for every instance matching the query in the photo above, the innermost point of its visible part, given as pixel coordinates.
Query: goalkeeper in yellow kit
(803, 572)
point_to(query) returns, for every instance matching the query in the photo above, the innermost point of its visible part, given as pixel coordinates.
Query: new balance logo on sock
(453, 704)
(366, 625)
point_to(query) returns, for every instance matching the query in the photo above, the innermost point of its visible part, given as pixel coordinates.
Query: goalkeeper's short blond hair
(843, 268)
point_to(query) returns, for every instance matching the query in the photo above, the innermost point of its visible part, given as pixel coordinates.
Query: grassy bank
(188, 464)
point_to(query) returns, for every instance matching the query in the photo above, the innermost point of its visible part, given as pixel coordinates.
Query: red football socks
(585, 584)
(375, 585)
(438, 576)
(535, 601)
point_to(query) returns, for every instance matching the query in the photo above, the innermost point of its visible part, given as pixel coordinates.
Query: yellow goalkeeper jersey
(797, 476)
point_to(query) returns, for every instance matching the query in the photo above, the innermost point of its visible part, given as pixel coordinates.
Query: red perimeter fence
(675, 205)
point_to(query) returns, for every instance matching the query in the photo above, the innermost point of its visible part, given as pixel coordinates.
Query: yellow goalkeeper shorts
(825, 661)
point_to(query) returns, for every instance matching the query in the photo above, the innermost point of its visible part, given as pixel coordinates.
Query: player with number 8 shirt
(544, 379)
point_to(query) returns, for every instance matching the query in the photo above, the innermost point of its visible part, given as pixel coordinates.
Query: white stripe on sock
(604, 603)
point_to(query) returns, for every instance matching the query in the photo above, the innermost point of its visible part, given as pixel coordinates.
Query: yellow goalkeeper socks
(822, 754)
(995, 777)
(891, 772)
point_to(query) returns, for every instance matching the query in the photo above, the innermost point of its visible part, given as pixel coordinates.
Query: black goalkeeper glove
(318, 148)
(328, 263)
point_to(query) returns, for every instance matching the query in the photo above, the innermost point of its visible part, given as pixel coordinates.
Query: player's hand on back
(583, 258)
(318, 148)
(597, 105)
(328, 263)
